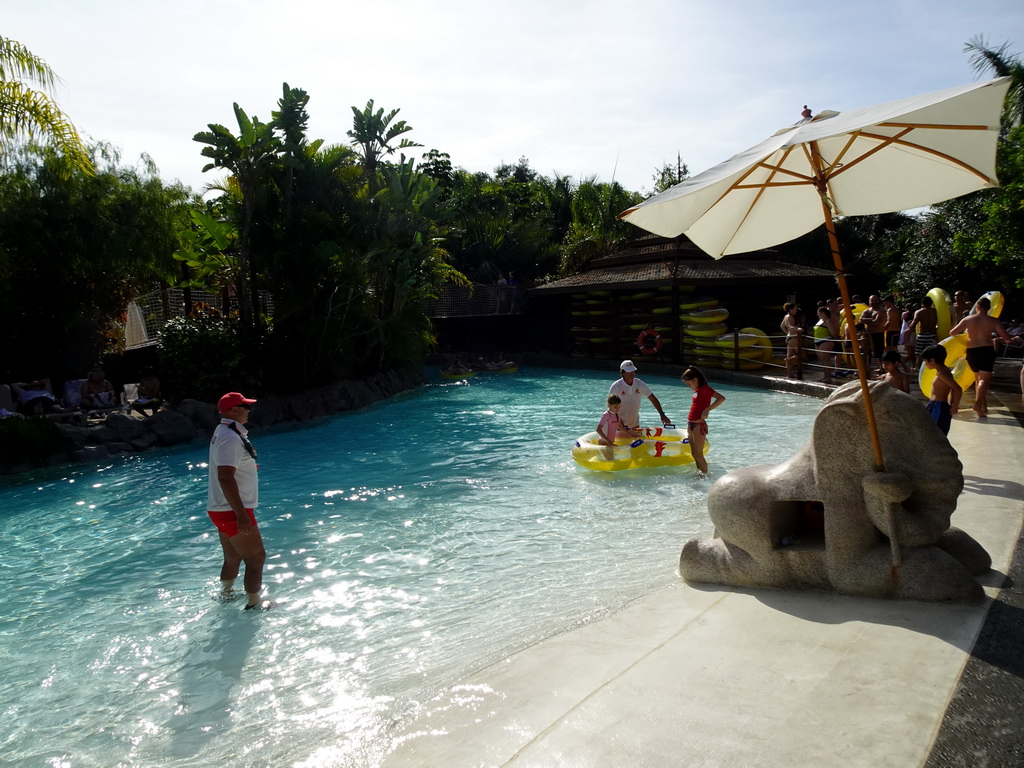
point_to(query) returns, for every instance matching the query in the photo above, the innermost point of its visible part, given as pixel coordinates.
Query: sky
(578, 87)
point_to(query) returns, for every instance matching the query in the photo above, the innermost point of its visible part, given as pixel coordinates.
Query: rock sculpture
(825, 519)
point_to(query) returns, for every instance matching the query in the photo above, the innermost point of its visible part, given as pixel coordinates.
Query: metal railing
(148, 314)
(480, 300)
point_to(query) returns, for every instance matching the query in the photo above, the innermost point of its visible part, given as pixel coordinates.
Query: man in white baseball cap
(631, 392)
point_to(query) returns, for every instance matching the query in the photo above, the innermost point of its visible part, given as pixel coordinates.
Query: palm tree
(374, 132)
(984, 57)
(595, 230)
(248, 157)
(31, 114)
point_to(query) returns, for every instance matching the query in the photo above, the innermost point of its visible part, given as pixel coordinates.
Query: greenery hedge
(34, 441)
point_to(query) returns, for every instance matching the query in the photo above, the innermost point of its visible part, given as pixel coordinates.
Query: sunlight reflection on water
(409, 545)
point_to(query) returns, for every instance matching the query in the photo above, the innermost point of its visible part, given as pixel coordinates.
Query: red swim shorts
(227, 523)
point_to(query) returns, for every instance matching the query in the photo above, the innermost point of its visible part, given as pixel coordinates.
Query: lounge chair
(67, 415)
(73, 399)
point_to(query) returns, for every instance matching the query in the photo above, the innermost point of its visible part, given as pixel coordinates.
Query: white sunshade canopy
(895, 156)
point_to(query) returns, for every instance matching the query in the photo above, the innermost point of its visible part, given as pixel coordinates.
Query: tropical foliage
(73, 250)
(28, 112)
(348, 240)
(976, 242)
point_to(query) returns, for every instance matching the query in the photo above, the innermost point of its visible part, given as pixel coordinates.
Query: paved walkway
(713, 676)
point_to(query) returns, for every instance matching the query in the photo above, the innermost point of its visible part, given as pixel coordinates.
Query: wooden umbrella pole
(821, 185)
(862, 372)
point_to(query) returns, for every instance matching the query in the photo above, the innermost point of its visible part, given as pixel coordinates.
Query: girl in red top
(705, 399)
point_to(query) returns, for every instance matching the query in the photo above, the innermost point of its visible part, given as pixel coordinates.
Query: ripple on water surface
(409, 545)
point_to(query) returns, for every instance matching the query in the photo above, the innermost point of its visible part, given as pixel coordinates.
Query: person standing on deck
(981, 355)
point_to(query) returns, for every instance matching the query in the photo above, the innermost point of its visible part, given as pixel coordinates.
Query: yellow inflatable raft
(663, 452)
(956, 350)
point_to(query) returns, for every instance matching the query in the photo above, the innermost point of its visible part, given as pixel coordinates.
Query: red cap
(231, 399)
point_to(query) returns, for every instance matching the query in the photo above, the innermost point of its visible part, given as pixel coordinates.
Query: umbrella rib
(885, 142)
(935, 126)
(898, 140)
(759, 187)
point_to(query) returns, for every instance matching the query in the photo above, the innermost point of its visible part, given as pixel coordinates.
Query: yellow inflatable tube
(956, 350)
(714, 315)
(699, 303)
(943, 306)
(856, 309)
(763, 343)
(704, 329)
(745, 340)
(640, 453)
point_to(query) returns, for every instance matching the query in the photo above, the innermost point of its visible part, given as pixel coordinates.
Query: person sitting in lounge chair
(97, 392)
(36, 399)
(148, 395)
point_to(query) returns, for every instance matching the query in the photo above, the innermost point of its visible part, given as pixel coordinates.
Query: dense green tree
(405, 263)
(1001, 62)
(438, 166)
(595, 230)
(975, 242)
(247, 157)
(74, 249)
(374, 133)
(29, 113)
(670, 174)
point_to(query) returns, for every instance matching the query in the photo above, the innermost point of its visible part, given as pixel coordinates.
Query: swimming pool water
(409, 545)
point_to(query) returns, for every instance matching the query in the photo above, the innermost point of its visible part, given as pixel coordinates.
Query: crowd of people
(883, 329)
(896, 342)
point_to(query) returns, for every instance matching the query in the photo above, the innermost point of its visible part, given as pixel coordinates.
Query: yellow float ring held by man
(956, 350)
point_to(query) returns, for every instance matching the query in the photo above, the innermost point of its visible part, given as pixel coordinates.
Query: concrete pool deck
(715, 676)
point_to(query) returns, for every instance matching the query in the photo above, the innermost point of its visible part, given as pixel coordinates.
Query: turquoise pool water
(410, 544)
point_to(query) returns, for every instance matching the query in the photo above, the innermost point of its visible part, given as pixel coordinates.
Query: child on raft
(610, 424)
(705, 399)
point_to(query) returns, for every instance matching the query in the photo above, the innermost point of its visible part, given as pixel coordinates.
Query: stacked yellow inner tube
(955, 346)
(703, 322)
(707, 338)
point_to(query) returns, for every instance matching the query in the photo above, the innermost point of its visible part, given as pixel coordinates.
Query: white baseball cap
(627, 366)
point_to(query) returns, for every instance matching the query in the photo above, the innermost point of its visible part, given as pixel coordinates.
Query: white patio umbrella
(890, 157)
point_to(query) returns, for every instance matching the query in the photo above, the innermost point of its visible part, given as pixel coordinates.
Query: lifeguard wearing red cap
(231, 399)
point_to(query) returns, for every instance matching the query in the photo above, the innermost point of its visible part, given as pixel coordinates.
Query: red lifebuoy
(649, 342)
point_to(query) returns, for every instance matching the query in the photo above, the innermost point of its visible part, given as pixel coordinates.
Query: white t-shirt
(227, 449)
(631, 395)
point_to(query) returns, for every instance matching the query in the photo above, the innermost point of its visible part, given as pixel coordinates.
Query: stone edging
(192, 420)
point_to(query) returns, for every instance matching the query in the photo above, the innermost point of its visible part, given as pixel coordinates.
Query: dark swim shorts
(981, 359)
(939, 411)
(227, 523)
